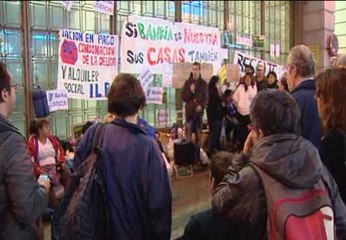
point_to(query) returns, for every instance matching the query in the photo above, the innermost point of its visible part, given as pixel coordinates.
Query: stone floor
(190, 196)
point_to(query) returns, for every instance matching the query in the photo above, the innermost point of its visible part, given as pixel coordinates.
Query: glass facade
(270, 19)
(340, 24)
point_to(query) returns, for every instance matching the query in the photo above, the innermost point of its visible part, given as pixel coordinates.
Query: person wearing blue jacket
(137, 183)
(301, 82)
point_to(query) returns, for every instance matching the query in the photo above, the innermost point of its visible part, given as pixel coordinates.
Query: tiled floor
(190, 196)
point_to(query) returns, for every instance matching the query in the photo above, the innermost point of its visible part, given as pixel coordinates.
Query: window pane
(11, 13)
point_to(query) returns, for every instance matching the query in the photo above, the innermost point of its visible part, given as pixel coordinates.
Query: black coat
(304, 94)
(214, 108)
(333, 155)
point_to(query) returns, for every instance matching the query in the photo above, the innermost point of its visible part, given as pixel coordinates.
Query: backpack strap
(98, 139)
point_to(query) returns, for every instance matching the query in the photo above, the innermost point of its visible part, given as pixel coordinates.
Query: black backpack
(83, 213)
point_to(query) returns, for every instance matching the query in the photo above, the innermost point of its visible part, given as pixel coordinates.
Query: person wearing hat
(261, 81)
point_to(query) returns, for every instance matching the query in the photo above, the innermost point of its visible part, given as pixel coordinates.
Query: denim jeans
(194, 126)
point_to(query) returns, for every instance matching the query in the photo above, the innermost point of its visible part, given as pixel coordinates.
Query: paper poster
(87, 63)
(67, 4)
(106, 7)
(57, 100)
(245, 60)
(146, 78)
(154, 95)
(151, 43)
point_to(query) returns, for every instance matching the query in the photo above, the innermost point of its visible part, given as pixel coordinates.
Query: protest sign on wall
(87, 64)
(106, 7)
(67, 4)
(246, 60)
(57, 100)
(151, 43)
(146, 78)
(154, 95)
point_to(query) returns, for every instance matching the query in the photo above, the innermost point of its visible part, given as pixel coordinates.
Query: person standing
(301, 82)
(260, 79)
(23, 199)
(195, 96)
(214, 113)
(136, 180)
(331, 93)
(243, 97)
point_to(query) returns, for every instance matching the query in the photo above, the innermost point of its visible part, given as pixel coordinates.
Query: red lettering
(150, 60)
(181, 54)
(167, 55)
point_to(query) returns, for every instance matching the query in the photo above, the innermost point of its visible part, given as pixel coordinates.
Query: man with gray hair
(341, 62)
(300, 78)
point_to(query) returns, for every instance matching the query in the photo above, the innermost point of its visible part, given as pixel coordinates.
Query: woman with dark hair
(214, 113)
(331, 93)
(48, 156)
(243, 96)
(134, 172)
(283, 84)
(272, 80)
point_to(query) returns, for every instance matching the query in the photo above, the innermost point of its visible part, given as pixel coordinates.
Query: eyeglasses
(14, 85)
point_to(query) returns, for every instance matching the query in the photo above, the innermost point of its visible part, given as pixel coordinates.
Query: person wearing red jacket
(47, 154)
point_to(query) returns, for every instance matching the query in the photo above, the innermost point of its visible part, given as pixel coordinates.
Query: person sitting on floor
(204, 225)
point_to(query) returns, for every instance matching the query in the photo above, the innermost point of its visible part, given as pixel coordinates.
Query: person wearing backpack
(137, 189)
(284, 191)
(331, 93)
(23, 199)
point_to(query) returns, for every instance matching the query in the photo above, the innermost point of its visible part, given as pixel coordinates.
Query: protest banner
(67, 4)
(87, 64)
(246, 60)
(151, 43)
(106, 7)
(57, 100)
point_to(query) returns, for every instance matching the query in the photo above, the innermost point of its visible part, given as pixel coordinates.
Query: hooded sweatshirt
(289, 159)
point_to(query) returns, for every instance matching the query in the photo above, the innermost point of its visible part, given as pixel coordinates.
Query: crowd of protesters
(289, 135)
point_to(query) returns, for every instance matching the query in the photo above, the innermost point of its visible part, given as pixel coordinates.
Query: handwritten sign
(57, 100)
(67, 4)
(154, 95)
(246, 60)
(146, 78)
(87, 64)
(149, 43)
(106, 7)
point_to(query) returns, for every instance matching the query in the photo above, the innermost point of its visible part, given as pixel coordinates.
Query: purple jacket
(137, 183)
